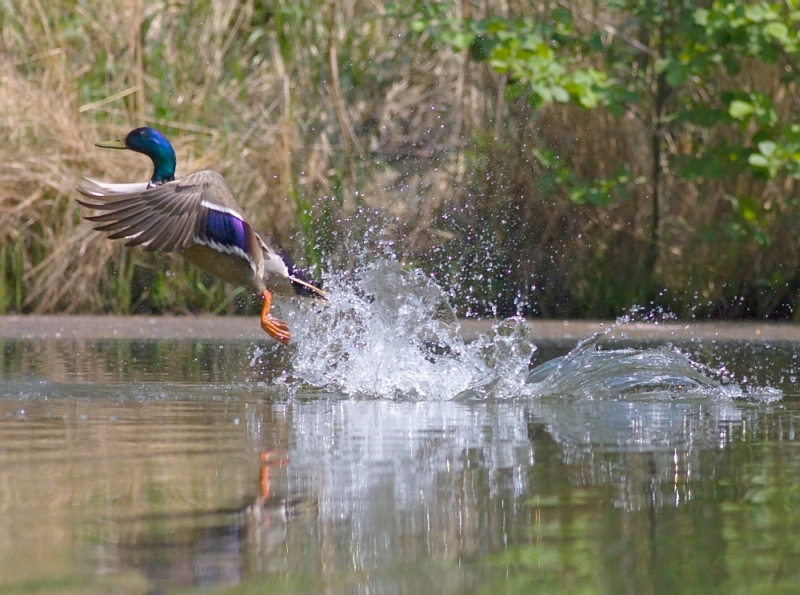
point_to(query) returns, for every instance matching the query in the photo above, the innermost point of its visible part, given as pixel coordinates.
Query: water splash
(658, 373)
(389, 332)
(589, 372)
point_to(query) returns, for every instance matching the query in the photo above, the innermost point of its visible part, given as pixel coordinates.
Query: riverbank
(246, 327)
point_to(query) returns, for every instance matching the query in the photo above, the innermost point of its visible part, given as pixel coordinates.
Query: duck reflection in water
(222, 546)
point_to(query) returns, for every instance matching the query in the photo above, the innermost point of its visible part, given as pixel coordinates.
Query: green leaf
(418, 25)
(545, 157)
(514, 90)
(595, 41)
(562, 16)
(461, 40)
(500, 59)
(560, 95)
(758, 160)
(749, 209)
(777, 31)
(677, 74)
(732, 63)
(767, 148)
(544, 51)
(576, 195)
(703, 166)
(598, 197)
(740, 109)
(756, 13)
(701, 17)
(481, 47)
(588, 99)
(543, 95)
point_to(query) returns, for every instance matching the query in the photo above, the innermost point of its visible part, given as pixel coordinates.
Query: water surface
(157, 464)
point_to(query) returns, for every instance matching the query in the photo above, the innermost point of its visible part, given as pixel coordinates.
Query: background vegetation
(561, 158)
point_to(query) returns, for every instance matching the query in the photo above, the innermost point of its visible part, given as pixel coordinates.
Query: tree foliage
(712, 84)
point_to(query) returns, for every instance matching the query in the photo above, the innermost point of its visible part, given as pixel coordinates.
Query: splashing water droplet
(391, 332)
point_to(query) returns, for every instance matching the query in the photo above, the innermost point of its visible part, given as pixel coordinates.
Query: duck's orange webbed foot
(276, 329)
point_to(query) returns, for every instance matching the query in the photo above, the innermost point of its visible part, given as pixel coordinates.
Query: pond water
(360, 460)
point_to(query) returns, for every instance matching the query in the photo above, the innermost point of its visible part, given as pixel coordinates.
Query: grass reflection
(762, 525)
(131, 361)
(737, 531)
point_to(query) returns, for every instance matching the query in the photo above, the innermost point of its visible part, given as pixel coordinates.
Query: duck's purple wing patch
(226, 229)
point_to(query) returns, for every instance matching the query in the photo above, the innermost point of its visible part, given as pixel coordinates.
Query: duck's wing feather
(118, 188)
(197, 209)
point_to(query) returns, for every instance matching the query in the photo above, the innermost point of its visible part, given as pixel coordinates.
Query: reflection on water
(128, 466)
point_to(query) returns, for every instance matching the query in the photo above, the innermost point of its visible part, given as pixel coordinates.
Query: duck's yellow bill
(117, 143)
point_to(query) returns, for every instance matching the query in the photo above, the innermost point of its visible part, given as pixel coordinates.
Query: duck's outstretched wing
(197, 209)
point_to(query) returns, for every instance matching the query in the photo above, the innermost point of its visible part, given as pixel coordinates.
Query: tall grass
(332, 126)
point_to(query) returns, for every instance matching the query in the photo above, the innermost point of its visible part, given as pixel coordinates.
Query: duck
(197, 217)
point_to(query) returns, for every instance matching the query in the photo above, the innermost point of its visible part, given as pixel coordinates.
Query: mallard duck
(196, 216)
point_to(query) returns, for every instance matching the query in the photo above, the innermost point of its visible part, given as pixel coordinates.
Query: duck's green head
(155, 145)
